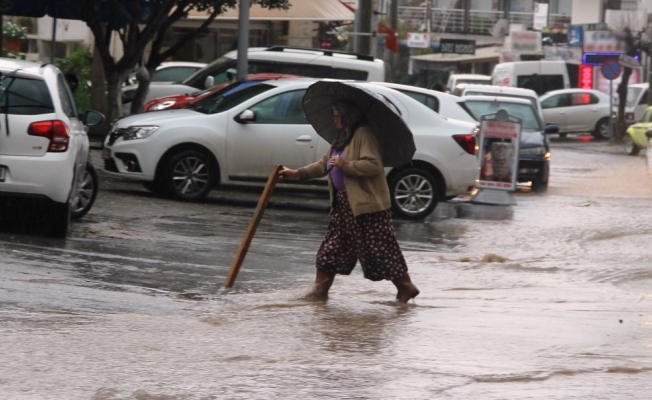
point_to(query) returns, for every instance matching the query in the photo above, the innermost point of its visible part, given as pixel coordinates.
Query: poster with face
(499, 145)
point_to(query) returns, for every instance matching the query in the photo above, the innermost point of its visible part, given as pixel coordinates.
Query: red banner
(391, 40)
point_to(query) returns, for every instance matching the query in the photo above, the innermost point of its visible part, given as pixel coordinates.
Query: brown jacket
(364, 175)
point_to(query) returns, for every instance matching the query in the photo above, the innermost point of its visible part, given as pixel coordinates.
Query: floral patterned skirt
(368, 238)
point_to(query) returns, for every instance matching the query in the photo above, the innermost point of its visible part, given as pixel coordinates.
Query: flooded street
(552, 302)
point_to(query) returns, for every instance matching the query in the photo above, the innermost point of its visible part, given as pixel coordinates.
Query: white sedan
(577, 111)
(237, 136)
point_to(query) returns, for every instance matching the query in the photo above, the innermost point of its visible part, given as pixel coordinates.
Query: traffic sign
(611, 69)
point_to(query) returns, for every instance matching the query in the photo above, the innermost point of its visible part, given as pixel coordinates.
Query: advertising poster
(499, 144)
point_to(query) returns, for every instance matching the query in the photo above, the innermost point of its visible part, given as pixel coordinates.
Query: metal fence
(479, 22)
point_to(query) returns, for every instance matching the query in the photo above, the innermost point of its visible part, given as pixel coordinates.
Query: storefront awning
(482, 54)
(300, 10)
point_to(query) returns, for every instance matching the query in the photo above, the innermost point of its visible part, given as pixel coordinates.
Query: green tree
(79, 63)
(125, 17)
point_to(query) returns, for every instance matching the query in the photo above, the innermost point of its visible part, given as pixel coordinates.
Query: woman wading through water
(361, 222)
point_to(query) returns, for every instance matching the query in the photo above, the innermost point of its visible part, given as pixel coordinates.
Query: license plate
(3, 173)
(106, 152)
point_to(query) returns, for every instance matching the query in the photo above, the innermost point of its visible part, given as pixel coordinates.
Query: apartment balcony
(443, 20)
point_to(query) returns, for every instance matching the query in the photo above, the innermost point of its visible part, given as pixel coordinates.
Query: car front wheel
(87, 192)
(189, 175)
(414, 193)
(602, 129)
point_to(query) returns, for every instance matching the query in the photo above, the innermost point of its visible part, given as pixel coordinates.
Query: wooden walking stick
(253, 225)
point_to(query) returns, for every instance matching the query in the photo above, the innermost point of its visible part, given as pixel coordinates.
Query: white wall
(300, 33)
(586, 11)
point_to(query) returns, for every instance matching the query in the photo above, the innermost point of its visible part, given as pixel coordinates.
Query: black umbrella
(395, 139)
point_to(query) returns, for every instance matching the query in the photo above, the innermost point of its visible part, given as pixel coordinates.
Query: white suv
(43, 144)
(315, 63)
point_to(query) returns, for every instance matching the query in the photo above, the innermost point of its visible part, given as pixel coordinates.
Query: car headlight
(163, 105)
(533, 150)
(138, 132)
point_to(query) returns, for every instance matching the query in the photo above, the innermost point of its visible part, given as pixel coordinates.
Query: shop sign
(418, 40)
(540, 16)
(525, 41)
(602, 42)
(572, 55)
(457, 46)
(575, 35)
(585, 77)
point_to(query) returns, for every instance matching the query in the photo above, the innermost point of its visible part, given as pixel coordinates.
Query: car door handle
(304, 138)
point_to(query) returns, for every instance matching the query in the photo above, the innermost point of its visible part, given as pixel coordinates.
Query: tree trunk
(621, 126)
(113, 85)
(98, 95)
(138, 101)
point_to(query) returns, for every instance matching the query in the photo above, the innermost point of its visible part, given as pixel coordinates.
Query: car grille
(109, 165)
(114, 135)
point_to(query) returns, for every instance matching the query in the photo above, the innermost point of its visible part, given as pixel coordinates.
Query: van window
(343, 73)
(643, 100)
(540, 83)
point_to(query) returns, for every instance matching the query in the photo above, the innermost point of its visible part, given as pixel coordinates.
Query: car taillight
(54, 130)
(466, 141)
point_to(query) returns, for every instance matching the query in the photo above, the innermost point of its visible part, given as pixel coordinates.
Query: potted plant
(12, 34)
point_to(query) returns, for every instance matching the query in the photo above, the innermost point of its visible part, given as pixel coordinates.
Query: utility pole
(365, 8)
(243, 39)
(393, 24)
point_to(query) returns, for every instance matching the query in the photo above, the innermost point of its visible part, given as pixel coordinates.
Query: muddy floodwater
(552, 300)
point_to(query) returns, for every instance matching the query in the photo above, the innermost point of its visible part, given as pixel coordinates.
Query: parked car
(456, 79)
(236, 139)
(169, 72)
(43, 144)
(636, 102)
(577, 111)
(636, 138)
(534, 146)
(447, 105)
(503, 91)
(317, 63)
(183, 100)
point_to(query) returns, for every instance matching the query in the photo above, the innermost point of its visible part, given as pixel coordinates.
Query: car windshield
(523, 111)
(632, 96)
(25, 96)
(227, 99)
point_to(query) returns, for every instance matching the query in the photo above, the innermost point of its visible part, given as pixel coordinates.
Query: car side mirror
(210, 81)
(245, 116)
(92, 118)
(551, 128)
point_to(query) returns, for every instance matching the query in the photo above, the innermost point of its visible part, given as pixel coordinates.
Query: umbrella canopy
(395, 138)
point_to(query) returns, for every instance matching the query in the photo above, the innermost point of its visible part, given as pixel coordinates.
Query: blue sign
(611, 69)
(575, 35)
